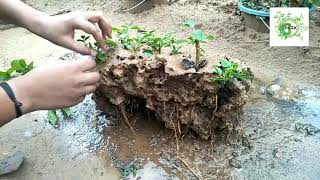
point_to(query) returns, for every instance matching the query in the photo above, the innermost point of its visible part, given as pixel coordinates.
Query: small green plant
(101, 54)
(228, 70)
(127, 171)
(124, 36)
(19, 67)
(53, 116)
(197, 37)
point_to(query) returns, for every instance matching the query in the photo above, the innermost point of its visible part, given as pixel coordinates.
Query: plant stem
(197, 55)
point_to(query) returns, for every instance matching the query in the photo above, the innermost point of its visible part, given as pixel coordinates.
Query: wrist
(20, 89)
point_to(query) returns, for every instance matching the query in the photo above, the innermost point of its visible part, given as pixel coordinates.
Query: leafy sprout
(127, 171)
(101, 54)
(228, 70)
(197, 37)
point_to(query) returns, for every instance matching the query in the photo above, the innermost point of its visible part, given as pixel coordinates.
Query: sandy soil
(276, 150)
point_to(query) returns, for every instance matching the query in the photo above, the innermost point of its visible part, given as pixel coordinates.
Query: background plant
(197, 37)
(20, 67)
(228, 70)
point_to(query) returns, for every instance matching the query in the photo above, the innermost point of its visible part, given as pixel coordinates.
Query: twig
(135, 6)
(126, 118)
(198, 177)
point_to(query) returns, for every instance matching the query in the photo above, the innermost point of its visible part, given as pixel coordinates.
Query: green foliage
(197, 35)
(127, 171)
(53, 116)
(101, 54)
(228, 70)
(18, 66)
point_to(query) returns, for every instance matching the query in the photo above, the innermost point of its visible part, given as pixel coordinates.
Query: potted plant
(254, 11)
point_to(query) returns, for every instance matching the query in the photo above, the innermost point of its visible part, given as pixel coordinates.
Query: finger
(97, 17)
(90, 28)
(86, 65)
(89, 89)
(77, 47)
(91, 78)
(105, 27)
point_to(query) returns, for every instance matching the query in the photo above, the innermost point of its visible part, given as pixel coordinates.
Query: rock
(11, 163)
(308, 128)
(235, 154)
(187, 64)
(235, 163)
(272, 90)
(162, 86)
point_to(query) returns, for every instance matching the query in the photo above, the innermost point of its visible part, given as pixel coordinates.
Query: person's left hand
(60, 29)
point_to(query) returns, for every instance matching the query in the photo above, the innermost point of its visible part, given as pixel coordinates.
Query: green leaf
(10, 71)
(218, 71)
(148, 53)
(198, 35)
(67, 113)
(19, 64)
(210, 37)
(110, 43)
(86, 38)
(226, 64)
(189, 24)
(4, 76)
(53, 117)
(137, 28)
(115, 29)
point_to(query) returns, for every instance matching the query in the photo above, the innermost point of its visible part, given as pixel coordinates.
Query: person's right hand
(55, 86)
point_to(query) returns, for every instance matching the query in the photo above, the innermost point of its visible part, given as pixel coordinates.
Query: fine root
(124, 115)
(192, 170)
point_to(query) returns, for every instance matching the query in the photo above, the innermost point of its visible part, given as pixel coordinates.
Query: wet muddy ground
(282, 116)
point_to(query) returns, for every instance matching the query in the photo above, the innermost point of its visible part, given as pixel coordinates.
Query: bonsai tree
(197, 37)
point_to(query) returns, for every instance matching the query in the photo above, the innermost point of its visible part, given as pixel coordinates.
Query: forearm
(19, 13)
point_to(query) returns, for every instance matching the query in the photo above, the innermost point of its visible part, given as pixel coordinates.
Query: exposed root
(215, 110)
(193, 171)
(175, 131)
(123, 112)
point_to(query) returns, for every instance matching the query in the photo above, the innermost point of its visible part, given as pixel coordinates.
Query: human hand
(55, 86)
(60, 29)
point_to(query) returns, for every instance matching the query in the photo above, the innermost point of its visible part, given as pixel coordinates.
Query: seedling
(101, 54)
(197, 38)
(228, 70)
(127, 171)
(53, 116)
(20, 67)
(124, 35)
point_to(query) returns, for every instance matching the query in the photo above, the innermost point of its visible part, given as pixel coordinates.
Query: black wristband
(5, 86)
